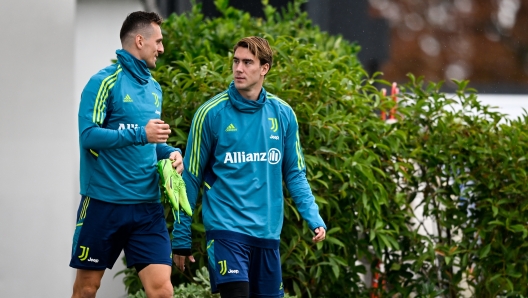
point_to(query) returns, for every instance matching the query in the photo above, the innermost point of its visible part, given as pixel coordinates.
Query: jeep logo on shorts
(93, 260)
(233, 271)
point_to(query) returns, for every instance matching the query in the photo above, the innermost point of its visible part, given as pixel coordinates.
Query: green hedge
(368, 176)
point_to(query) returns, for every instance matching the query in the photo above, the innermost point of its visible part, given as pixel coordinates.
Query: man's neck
(251, 95)
(132, 52)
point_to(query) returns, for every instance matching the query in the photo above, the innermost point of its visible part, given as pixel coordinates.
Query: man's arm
(97, 138)
(92, 114)
(196, 157)
(164, 151)
(294, 172)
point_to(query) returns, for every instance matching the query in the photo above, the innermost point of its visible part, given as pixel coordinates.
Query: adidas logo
(231, 127)
(127, 99)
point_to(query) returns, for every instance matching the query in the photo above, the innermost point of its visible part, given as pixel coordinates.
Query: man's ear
(139, 40)
(264, 70)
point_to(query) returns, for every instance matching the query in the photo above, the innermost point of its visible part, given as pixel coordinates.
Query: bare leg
(156, 281)
(87, 282)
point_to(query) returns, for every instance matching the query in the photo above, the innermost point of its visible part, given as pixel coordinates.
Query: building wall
(51, 48)
(38, 147)
(97, 26)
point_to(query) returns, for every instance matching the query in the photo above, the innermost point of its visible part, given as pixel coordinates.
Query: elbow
(85, 141)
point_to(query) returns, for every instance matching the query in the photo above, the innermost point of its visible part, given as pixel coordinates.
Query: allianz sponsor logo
(233, 271)
(93, 260)
(273, 156)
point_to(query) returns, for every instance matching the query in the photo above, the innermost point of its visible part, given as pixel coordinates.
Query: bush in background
(376, 183)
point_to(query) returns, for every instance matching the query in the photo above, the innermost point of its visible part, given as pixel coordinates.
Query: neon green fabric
(174, 188)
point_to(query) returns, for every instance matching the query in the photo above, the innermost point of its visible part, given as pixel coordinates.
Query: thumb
(191, 258)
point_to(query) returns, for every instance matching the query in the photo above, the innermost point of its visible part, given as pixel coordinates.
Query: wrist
(182, 251)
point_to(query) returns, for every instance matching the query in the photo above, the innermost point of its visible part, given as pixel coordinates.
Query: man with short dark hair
(243, 144)
(121, 138)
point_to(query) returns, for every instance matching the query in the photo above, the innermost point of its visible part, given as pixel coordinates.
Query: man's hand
(180, 261)
(177, 161)
(157, 131)
(320, 234)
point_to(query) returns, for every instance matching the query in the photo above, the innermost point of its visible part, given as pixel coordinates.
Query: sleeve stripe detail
(197, 130)
(102, 104)
(300, 160)
(102, 95)
(298, 149)
(271, 96)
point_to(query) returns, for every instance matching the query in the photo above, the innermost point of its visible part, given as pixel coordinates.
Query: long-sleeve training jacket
(240, 151)
(118, 165)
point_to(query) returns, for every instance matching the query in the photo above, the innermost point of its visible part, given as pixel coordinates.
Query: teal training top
(240, 151)
(118, 165)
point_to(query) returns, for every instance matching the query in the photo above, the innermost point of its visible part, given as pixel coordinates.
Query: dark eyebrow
(243, 60)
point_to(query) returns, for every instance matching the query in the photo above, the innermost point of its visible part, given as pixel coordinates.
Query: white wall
(511, 105)
(38, 147)
(97, 26)
(49, 50)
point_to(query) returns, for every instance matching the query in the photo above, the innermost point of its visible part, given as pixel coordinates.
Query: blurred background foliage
(431, 204)
(481, 41)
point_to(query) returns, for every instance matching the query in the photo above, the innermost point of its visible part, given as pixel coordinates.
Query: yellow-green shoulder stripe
(102, 95)
(298, 149)
(102, 104)
(197, 129)
(272, 96)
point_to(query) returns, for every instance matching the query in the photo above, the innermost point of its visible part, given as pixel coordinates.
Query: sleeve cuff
(144, 139)
(181, 252)
(315, 226)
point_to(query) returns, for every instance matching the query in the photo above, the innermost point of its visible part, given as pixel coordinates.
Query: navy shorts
(233, 259)
(104, 229)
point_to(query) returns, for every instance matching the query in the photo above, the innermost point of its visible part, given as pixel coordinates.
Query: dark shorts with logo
(236, 257)
(104, 229)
